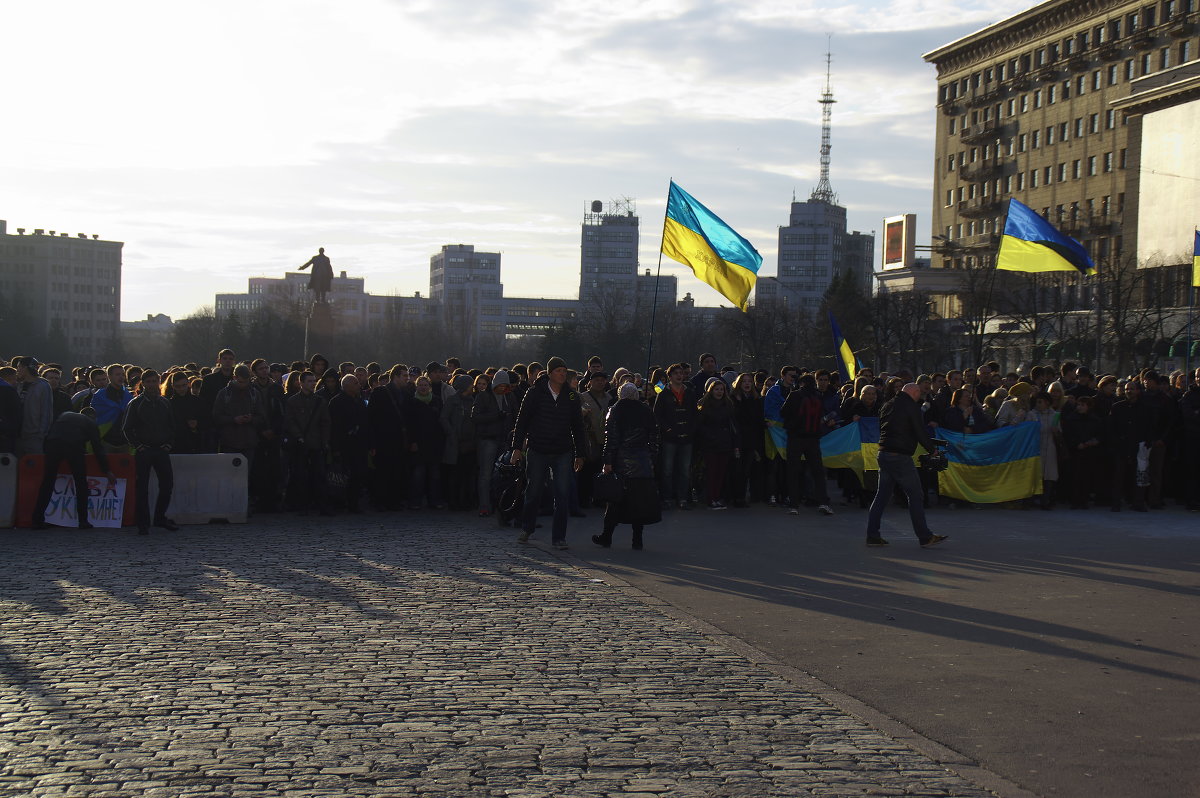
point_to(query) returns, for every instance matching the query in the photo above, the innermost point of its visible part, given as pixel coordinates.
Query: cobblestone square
(390, 656)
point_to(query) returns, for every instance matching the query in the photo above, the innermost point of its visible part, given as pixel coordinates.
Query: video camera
(936, 460)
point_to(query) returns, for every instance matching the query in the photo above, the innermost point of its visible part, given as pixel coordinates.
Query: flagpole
(657, 279)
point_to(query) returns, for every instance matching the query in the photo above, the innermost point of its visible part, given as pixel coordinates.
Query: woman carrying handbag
(630, 446)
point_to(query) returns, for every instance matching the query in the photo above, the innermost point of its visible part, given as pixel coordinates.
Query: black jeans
(160, 461)
(810, 450)
(898, 470)
(56, 452)
(307, 478)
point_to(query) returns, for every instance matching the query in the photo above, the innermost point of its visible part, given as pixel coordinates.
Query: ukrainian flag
(775, 436)
(1196, 261)
(844, 351)
(869, 431)
(1031, 244)
(696, 237)
(999, 466)
(842, 448)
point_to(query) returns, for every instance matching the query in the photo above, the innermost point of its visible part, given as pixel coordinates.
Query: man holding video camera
(900, 430)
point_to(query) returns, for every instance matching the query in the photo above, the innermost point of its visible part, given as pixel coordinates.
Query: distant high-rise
(65, 284)
(814, 246)
(609, 251)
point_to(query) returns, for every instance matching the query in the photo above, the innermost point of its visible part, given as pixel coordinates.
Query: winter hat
(500, 378)
(555, 363)
(711, 381)
(461, 383)
(628, 391)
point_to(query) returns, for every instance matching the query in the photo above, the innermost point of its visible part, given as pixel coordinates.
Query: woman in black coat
(186, 412)
(751, 426)
(630, 446)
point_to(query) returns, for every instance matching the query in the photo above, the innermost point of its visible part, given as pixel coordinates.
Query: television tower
(824, 191)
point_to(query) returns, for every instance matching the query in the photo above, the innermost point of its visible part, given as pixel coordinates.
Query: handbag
(608, 488)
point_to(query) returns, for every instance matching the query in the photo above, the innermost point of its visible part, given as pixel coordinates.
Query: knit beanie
(555, 363)
(500, 378)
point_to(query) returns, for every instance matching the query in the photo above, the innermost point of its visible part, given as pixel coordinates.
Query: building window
(1066, 89)
(1110, 119)
(1050, 94)
(1033, 178)
(1185, 52)
(1097, 80)
(953, 125)
(1037, 99)
(1146, 63)
(1036, 140)
(1062, 131)
(1024, 103)
(1080, 85)
(1021, 141)
(1094, 123)
(1079, 127)
(1008, 184)
(1049, 135)
(949, 198)
(1020, 181)
(1062, 172)
(1108, 161)
(1076, 167)
(1129, 70)
(1164, 58)
(1091, 165)
(1112, 75)
(1012, 107)
(1048, 176)
(1122, 157)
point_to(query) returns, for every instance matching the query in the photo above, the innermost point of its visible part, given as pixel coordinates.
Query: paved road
(390, 657)
(1060, 650)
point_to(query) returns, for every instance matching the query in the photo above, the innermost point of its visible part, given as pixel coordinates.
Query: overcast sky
(225, 140)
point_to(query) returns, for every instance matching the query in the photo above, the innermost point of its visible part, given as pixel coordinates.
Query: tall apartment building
(466, 285)
(69, 285)
(815, 247)
(1030, 108)
(608, 251)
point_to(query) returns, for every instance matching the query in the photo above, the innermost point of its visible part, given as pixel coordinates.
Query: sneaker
(933, 541)
(825, 509)
(599, 540)
(877, 542)
(523, 537)
(561, 545)
(771, 501)
(794, 511)
(716, 506)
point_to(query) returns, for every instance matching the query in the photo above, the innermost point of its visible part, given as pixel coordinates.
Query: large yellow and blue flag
(1196, 261)
(845, 353)
(842, 448)
(998, 466)
(696, 237)
(1031, 244)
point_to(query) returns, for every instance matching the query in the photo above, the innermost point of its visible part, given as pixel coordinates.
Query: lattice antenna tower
(824, 191)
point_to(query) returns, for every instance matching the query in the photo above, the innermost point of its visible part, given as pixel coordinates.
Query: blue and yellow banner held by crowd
(716, 253)
(998, 466)
(1031, 244)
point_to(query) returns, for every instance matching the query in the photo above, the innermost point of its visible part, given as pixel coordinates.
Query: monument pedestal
(318, 330)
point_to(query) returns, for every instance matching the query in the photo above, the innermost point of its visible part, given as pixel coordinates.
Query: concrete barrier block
(208, 488)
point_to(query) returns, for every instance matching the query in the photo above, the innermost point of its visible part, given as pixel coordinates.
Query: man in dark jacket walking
(900, 430)
(550, 425)
(150, 430)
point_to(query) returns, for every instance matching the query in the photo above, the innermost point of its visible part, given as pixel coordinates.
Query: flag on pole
(696, 237)
(1196, 261)
(1031, 244)
(845, 353)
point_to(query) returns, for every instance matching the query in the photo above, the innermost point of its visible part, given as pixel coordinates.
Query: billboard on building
(899, 241)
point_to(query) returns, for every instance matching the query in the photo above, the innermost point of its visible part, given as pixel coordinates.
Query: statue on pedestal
(321, 280)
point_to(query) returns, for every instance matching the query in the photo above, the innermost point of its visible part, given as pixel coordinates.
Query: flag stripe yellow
(691, 248)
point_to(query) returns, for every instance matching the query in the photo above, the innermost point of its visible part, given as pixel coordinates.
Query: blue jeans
(676, 471)
(898, 469)
(560, 466)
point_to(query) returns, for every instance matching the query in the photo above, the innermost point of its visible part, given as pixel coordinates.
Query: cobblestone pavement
(368, 659)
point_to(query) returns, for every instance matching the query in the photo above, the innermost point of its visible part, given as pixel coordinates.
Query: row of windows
(591, 234)
(597, 252)
(801, 271)
(805, 238)
(808, 255)
(1074, 214)
(1105, 33)
(1077, 169)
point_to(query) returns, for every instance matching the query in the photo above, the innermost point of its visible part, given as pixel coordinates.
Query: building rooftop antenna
(824, 191)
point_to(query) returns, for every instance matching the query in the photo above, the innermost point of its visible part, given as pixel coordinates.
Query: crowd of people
(324, 438)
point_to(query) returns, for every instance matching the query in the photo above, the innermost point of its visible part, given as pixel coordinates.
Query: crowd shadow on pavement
(933, 592)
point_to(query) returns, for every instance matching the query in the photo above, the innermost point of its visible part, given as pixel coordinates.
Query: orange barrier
(29, 479)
